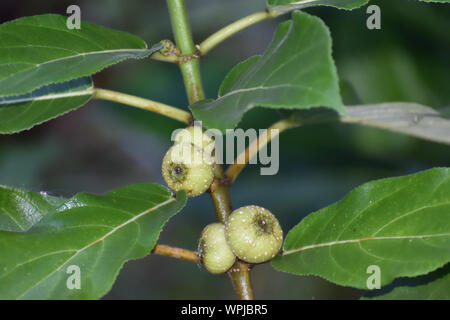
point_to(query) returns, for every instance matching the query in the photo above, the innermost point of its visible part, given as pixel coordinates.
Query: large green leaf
(435, 286)
(22, 112)
(296, 72)
(41, 50)
(286, 5)
(403, 117)
(96, 233)
(401, 225)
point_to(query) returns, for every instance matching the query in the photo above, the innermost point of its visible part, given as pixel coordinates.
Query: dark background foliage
(105, 145)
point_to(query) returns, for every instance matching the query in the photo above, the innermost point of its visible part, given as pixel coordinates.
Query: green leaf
(399, 224)
(22, 112)
(20, 209)
(408, 118)
(98, 234)
(403, 117)
(41, 50)
(438, 288)
(287, 5)
(296, 72)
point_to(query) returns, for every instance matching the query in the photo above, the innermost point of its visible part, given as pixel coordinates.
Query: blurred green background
(105, 145)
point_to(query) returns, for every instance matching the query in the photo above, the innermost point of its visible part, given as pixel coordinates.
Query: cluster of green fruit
(251, 233)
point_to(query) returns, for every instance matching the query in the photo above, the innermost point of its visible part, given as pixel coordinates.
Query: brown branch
(243, 158)
(176, 253)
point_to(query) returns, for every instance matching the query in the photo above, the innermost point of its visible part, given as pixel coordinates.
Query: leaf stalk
(243, 158)
(216, 38)
(146, 104)
(178, 253)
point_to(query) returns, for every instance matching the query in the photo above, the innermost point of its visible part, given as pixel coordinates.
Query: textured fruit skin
(254, 234)
(196, 136)
(187, 167)
(215, 253)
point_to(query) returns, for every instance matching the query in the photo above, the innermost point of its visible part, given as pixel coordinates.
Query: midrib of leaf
(76, 252)
(50, 96)
(373, 237)
(36, 46)
(409, 213)
(90, 53)
(329, 244)
(267, 88)
(72, 57)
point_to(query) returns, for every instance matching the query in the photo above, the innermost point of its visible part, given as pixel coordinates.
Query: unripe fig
(215, 253)
(254, 234)
(196, 136)
(187, 167)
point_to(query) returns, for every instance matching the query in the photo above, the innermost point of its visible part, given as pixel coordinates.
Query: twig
(190, 68)
(243, 158)
(142, 103)
(176, 253)
(226, 32)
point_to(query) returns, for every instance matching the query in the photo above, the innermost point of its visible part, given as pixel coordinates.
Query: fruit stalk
(178, 253)
(240, 276)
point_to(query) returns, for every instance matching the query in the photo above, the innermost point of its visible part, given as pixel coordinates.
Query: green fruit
(187, 167)
(196, 136)
(215, 253)
(254, 234)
